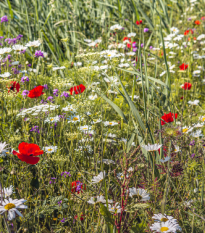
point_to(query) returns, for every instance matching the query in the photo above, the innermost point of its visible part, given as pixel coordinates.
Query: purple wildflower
(45, 86)
(55, 92)
(35, 129)
(19, 37)
(65, 94)
(39, 53)
(50, 98)
(142, 45)
(25, 93)
(63, 220)
(151, 47)
(192, 155)
(146, 29)
(24, 79)
(4, 19)
(192, 143)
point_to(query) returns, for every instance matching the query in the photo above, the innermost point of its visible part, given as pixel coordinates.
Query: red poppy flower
(77, 186)
(139, 22)
(81, 217)
(126, 38)
(181, 98)
(77, 89)
(28, 152)
(36, 92)
(197, 22)
(168, 117)
(183, 66)
(186, 32)
(129, 46)
(14, 87)
(187, 86)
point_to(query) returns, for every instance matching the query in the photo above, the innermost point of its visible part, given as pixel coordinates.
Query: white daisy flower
(11, 206)
(153, 147)
(198, 125)
(165, 227)
(140, 194)
(19, 47)
(88, 40)
(52, 119)
(110, 135)
(116, 27)
(69, 108)
(115, 208)
(85, 128)
(50, 149)
(5, 50)
(131, 34)
(197, 134)
(98, 178)
(59, 68)
(34, 43)
(7, 191)
(174, 30)
(188, 203)
(186, 129)
(3, 149)
(98, 199)
(195, 102)
(74, 119)
(131, 54)
(5, 75)
(93, 97)
(176, 149)
(110, 123)
(163, 218)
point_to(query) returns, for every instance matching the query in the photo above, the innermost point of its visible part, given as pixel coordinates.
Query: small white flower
(141, 194)
(130, 169)
(18, 47)
(197, 134)
(88, 40)
(195, 102)
(85, 128)
(34, 43)
(98, 178)
(165, 159)
(131, 54)
(110, 123)
(107, 161)
(74, 119)
(59, 68)
(116, 27)
(5, 75)
(93, 97)
(163, 218)
(186, 129)
(7, 191)
(115, 208)
(153, 147)
(131, 34)
(188, 203)
(11, 206)
(97, 200)
(52, 119)
(3, 149)
(5, 50)
(50, 149)
(176, 149)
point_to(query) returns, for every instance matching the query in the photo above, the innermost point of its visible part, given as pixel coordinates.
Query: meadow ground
(102, 116)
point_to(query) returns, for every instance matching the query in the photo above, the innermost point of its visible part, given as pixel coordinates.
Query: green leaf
(114, 106)
(10, 9)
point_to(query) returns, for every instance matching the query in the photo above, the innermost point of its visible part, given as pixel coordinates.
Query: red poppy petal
(15, 152)
(28, 159)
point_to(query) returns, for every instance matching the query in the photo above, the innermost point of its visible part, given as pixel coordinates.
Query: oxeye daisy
(50, 149)
(165, 227)
(8, 191)
(110, 123)
(11, 206)
(115, 208)
(3, 150)
(96, 200)
(163, 218)
(99, 177)
(151, 148)
(140, 194)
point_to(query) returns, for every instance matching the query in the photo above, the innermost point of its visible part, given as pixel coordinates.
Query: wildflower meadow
(102, 116)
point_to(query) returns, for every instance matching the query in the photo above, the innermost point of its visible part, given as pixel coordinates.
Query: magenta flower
(39, 53)
(4, 19)
(146, 29)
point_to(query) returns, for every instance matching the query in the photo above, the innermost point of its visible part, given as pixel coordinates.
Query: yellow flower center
(110, 123)
(184, 130)
(75, 118)
(164, 229)
(163, 219)
(109, 55)
(50, 149)
(52, 119)
(203, 119)
(9, 206)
